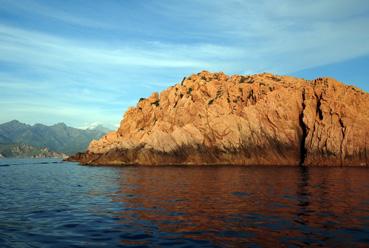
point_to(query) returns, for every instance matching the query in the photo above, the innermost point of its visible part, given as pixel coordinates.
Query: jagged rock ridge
(263, 119)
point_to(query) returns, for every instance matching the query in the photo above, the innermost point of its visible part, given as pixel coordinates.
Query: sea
(50, 203)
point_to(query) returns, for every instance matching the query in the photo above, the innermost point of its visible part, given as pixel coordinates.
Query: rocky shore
(263, 119)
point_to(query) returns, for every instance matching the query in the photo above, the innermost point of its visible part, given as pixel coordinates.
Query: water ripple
(53, 204)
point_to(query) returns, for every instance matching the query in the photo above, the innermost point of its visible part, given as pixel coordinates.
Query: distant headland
(18, 139)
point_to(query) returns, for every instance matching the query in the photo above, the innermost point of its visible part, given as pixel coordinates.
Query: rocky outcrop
(263, 119)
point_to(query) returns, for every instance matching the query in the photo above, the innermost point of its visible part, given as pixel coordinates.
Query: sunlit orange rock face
(263, 119)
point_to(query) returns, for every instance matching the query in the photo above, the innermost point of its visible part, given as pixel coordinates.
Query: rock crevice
(303, 150)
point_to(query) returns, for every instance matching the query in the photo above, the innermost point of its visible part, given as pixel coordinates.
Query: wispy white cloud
(281, 36)
(70, 114)
(53, 13)
(22, 46)
(267, 35)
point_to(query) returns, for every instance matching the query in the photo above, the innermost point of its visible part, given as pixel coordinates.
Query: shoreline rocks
(262, 119)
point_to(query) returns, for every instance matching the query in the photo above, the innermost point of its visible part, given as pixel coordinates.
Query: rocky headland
(28, 151)
(263, 119)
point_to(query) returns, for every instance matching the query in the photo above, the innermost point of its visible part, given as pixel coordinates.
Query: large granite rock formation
(263, 119)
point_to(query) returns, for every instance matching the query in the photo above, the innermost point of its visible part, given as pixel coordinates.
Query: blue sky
(83, 62)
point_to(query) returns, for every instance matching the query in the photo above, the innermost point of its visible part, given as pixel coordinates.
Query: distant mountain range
(58, 138)
(27, 151)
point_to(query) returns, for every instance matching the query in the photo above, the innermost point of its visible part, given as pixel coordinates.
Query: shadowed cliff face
(212, 118)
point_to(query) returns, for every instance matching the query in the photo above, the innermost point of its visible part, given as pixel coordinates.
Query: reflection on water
(244, 206)
(66, 204)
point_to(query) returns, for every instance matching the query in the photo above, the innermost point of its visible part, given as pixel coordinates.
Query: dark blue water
(46, 203)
